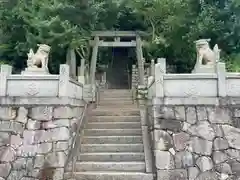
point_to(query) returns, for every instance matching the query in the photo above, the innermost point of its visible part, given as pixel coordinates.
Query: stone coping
(32, 77)
(21, 101)
(190, 76)
(214, 101)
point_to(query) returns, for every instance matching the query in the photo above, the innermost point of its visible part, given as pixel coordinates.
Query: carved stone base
(35, 71)
(210, 68)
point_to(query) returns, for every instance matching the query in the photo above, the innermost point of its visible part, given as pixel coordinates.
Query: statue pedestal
(35, 71)
(210, 68)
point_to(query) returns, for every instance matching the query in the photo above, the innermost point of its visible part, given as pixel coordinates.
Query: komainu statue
(206, 57)
(204, 54)
(40, 58)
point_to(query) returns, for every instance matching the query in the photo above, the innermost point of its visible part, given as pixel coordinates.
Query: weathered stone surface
(232, 135)
(60, 146)
(164, 160)
(29, 137)
(172, 151)
(5, 169)
(236, 112)
(219, 115)
(52, 135)
(235, 165)
(233, 154)
(42, 113)
(203, 129)
(219, 157)
(236, 122)
(58, 174)
(187, 159)
(56, 159)
(4, 138)
(177, 174)
(186, 126)
(19, 164)
(180, 140)
(178, 159)
(77, 111)
(44, 148)
(33, 125)
(27, 150)
(22, 115)
(16, 174)
(193, 173)
(15, 141)
(7, 113)
(202, 113)
(56, 123)
(204, 163)
(218, 130)
(11, 126)
(184, 159)
(220, 144)
(224, 168)
(39, 161)
(8, 155)
(29, 164)
(200, 146)
(63, 112)
(34, 173)
(28, 178)
(180, 112)
(191, 115)
(208, 175)
(172, 125)
(163, 141)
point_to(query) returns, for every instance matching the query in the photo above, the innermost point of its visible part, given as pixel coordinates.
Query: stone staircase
(112, 146)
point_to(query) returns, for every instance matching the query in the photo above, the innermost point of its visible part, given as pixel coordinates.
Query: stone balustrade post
(6, 70)
(221, 75)
(152, 67)
(64, 77)
(160, 70)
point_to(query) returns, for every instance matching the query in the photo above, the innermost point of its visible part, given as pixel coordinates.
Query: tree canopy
(172, 25)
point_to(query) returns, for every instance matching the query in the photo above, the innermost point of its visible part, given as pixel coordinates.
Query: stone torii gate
(98, 41)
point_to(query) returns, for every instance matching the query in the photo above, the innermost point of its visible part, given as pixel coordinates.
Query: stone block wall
(36, 136)
(194, 141)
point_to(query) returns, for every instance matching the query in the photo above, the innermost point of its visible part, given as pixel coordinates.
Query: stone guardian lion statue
(40, 58)
(205, 55)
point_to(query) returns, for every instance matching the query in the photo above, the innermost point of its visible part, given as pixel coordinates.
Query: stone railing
(194, 124)
(38, 119)
(219, 84)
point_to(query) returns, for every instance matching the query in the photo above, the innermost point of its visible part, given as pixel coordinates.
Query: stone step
(110, 156)
(112, 140)
(126, 103)
(116, 91)
(116, 112)
(111, 166)
(108, 175)
(112, 132)
(115, 99)
(112, 148)
(115, 119)
(113, 125)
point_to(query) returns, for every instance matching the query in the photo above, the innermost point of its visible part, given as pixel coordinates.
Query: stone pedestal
(35, 71)
(210, 68)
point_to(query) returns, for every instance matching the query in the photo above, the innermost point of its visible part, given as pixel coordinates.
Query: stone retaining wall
(35, 136)
(196, 142)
